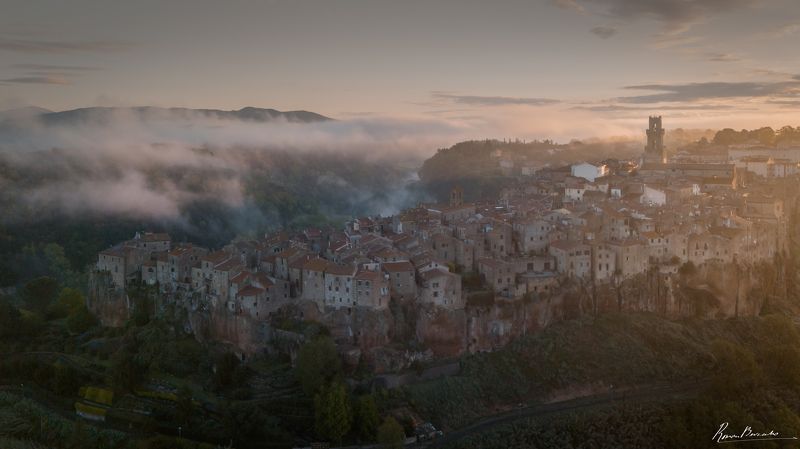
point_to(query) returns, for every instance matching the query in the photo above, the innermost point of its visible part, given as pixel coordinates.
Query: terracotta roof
(215, 257)
(368, 275)
(240, 278)
(626, 242)
(316, 265)
(436, 273)
(341, 270)
(113, 252)
(299, 263)
(287, 253)
(180, 250)
(398, 266)
(155, 237)
(230, 265)
(250, 291)
(264, 280)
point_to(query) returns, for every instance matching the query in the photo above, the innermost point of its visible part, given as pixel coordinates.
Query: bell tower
(456, 196)
(654, 152)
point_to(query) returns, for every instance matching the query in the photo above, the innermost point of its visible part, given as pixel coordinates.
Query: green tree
(126, 370)
(782, 363)
(80, 320)
(225, 368)
(248, 426)
(779, 329)
(78, 436)
(40, 293)
(391, 434)
(141, 310)
(736, 372)
(785, 420)
(10, 319)
(687, 269)
(318, 363)
(183, 406)
(58, 264)
(65, 380)
(366, 417)
(332, 414)
(68, 300)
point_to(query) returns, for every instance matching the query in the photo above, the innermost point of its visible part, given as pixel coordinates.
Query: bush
(126, 370)
(391, 434)
(68, 301)
(80, 320)
(10, 319)
(39, 293)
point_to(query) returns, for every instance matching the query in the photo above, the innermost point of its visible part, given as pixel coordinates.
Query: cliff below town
(395, 338)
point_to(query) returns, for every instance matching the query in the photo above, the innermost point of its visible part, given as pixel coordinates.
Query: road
(649, 393)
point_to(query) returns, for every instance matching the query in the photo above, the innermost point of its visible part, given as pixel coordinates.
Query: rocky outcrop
(247, 335)
(409, 333)
(110, 305)
(713, 290)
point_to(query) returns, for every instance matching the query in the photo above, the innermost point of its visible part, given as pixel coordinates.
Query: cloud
(603, 32)
(786, 30)
(54, 67)
(60, 47)
(711, 90)
(676, 16)
(477, 100)
(38, 79)
(721, 57)
(789, 104)
(664, 41)
(624, 108)
(570, 4)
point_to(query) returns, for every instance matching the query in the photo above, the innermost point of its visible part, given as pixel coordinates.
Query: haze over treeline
(163, 163)
(238, 172)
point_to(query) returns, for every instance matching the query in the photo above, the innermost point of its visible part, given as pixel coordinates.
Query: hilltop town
(683, 235)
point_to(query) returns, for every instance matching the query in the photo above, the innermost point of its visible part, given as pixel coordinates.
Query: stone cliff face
(247, 335)
(711, 291)
(110, 306)
(395, 338)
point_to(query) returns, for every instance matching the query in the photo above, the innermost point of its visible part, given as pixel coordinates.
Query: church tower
(456, 196)
(654, 152)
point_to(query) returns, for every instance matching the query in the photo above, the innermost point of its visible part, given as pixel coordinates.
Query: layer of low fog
(165, 166)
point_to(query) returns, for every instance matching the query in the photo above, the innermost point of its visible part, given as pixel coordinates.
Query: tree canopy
(318, 363)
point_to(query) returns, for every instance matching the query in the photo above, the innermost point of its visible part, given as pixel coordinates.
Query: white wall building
(589, 172)
(654, 196)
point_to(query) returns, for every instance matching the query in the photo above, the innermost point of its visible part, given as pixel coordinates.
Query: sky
(514, 68)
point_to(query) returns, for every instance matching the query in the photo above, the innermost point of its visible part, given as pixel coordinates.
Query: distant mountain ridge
(100, 115)
(23, 113)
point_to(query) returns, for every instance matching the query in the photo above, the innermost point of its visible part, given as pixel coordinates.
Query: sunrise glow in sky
(545, 68)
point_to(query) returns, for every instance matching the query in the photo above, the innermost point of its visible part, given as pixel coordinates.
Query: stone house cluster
(593, 222)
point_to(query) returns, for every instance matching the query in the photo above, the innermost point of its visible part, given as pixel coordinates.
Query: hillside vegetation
(614, 349)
